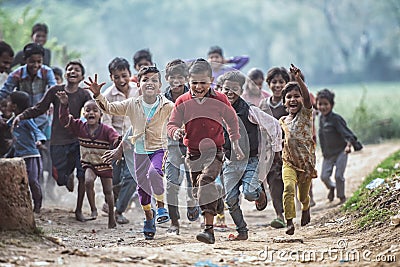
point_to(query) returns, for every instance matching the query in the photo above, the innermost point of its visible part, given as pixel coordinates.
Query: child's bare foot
(79, 216)
(305, 217)
(174, 228)
(93, 215)
(112, 223)
(290, 227)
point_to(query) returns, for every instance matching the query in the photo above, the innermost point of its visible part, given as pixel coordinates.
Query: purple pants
(34, 170)
(149, 175)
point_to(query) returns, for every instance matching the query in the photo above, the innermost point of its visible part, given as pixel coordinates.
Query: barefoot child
(94, 138)
(298, 150)
(336, 140)
(148, 114)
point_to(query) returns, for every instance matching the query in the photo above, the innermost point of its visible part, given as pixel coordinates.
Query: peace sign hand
(94, 86)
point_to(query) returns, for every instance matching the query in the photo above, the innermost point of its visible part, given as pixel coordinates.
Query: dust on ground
(331, 239)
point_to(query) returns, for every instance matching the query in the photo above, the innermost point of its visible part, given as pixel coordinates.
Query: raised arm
(303, 87)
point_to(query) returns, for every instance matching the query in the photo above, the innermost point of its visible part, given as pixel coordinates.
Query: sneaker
(331, 194)
(207, 236)
(70, 183)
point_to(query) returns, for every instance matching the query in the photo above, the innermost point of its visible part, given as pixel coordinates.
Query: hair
(233, 76)
(6, 48)
(277, 71)
(57, 71)
(140, 55)
(327, 94)
(215, 50)
(76, 62)
(255, 74)
(290, 86)
(118, 63)
(40, 27)
(200, 65)
(21, 99)
(33, 49)
(148, 69)
(176, 67)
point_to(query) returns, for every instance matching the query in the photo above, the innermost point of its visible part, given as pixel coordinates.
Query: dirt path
(329, 240)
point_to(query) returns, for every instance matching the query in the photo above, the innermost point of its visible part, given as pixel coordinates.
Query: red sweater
(203, 121)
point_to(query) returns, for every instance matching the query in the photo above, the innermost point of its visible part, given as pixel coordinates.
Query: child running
(336, 140)
(148, 114)
(298, 150)
(94, 138)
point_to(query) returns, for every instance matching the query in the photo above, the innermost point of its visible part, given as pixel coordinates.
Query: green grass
(363, 202)
(369, 109)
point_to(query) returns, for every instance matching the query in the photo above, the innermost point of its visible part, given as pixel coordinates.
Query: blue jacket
(25, 137)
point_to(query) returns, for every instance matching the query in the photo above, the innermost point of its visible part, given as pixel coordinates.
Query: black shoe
(207, 236)
(331, 194)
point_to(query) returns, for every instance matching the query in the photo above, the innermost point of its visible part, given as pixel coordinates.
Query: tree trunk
(15, 199)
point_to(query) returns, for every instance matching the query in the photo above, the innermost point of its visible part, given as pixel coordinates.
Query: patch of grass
(373, 205)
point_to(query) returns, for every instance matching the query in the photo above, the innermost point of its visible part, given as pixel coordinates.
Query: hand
(39, 144)
(347, 150)
(179, 134)
(296, 71)
(94, 86)
(237, 151)
(112, 155)
(15, 122)
(63, 97)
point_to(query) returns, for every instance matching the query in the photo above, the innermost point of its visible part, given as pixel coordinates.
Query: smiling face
(91, 112)
(276, 85)
(34, 63)
(73, 74)
(293, 101)
(324, 106)
(150, 84)
(39, 37)
(232, 90)
(5, 62)
(200, 84)
(176, 82)
(121, 79)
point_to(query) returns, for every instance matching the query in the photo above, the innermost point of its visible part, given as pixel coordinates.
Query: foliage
(377, 205)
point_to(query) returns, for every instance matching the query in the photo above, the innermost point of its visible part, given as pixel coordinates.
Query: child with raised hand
(148, 114)
(336, 140)
(27, 139)
(298, 150)
(94, 138)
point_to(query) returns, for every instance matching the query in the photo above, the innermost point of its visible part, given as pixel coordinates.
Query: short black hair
(255, 74)
(290, 86)
(40, 27)
(6, 48)
(21, 99)
(76, 62)
(233, 76)
(148, 69)
(215, 50)
(57, 71)
(277, 71)
(119, 63)
(33, 49)
(327, 94)
(176, 67)
(140, 55)
(200, 65)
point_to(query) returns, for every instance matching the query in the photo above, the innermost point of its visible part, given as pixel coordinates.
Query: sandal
(261, 202)
(162, 215)
(149, 229)
(193, 213)
(278, 223)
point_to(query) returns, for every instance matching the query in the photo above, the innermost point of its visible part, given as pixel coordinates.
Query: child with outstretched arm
(298, 150)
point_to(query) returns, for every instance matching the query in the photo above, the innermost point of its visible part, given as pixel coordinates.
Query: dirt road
(330, 240)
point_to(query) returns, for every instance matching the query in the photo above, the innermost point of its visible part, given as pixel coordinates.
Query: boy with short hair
(64, 146)
(141, 58)
(123, 179)
(6, 58)
(201, 112)
(245, 172)
(176, 74)
(148, 114)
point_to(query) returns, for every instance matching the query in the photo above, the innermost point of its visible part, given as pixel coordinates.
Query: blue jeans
(236, 174)
(174, 180)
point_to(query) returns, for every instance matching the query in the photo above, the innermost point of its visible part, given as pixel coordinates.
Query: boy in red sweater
(201, 111)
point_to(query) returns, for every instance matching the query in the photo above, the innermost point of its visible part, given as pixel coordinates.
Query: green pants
(289, 177)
